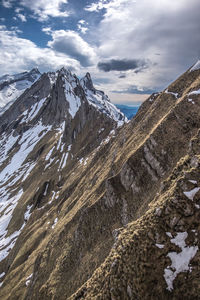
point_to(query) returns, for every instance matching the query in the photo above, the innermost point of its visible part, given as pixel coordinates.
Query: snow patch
(172, 93)
(53, 197)
(28, 213)
(64, 161)
(54, 223)
(180, 261)
(161, 246)
(197, 92)
(28, 279)
(73, 100)
(196, 66)
(191, 101)
(1, 275)
(34, 110)
(193, 181)
(27, 142)
(46, 189)
(61, 131)
(49, 153)
(190, 194)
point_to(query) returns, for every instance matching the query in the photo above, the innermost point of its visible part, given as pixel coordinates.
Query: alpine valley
(93, 206)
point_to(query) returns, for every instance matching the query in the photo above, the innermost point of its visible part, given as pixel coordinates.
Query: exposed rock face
(114, 210)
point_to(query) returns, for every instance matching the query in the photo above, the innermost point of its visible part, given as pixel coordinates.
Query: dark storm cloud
(102, 80)
(71, 44)
(122, 76)
(71, 50)
(135, 90)
(122, 65)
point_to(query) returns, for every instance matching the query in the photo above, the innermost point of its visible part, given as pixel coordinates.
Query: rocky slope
(114, 210)
(12, 86)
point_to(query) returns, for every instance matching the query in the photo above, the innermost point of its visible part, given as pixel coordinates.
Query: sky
(131, 48)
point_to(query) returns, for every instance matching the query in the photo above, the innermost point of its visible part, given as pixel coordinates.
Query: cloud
(82, 22)
(18, 9)
(144, 29)
(82, 26)
(105, 4)
(135, 90)
(21, 17)
(43, 9)
(82, 29)
(21, 54)
(122, 76)
(47, 30)
(122, 65)
(7, 3)
(70, 43)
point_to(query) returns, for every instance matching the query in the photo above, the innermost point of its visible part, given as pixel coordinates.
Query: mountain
(129, 111)
(94, 210)
(12, 86)
(48, 132)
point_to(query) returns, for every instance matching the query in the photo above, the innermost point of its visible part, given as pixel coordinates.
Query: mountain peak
(34, 71)
(101, 101)
(86, 81)
(12, 86)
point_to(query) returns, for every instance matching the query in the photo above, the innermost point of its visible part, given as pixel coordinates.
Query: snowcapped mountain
(92, 210)
(51, 126)
(12, 86)
(101, 101)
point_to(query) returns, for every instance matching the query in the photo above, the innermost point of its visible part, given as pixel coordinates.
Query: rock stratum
(93, 207)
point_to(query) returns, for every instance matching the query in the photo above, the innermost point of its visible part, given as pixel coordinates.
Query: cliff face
(157, 254)
(113, 209)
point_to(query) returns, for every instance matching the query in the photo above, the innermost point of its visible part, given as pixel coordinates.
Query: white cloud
(7, 3)
(70, 43)
(82, 29)
(47, 30)
(165, 32)
(22, 54)
(15, 29)
(18, 9)
(46, 8)
(82, 26)
(2, 27)
(21, 17)
(82, 22)
(109, 5)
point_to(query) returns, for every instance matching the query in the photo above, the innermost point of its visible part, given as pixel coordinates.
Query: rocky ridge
(101, 206)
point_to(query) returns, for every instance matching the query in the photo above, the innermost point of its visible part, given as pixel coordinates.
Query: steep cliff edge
(157, 255)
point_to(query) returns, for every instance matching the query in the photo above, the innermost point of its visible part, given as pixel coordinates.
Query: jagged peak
(19, 76)
(86, 81)
(34, 71)
(64, 71)
(101, 101)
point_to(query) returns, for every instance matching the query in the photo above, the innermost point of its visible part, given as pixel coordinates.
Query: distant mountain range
(129, 111)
